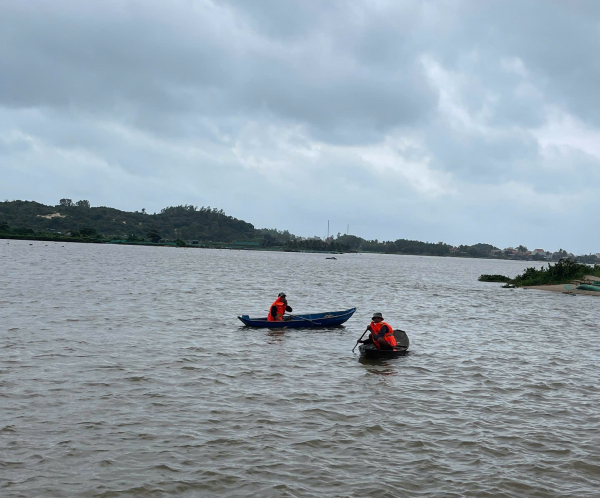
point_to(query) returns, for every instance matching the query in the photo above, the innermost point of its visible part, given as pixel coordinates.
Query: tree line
(79, 219)
(205, 225)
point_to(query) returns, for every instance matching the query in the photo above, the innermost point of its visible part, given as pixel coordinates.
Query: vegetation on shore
(204, 227)
(78, 221)
(494, 278)
(563, 272)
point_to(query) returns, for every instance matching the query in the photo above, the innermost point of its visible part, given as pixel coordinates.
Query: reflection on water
(275, 336)
(124, 372)
(383, 366)
(379, 369)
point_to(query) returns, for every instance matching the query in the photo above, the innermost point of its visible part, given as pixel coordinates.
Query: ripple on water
(119, 380)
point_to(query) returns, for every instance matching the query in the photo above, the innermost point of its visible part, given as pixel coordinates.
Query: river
(124, 372)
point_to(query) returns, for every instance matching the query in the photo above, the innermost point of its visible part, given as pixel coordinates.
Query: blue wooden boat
(309, 320)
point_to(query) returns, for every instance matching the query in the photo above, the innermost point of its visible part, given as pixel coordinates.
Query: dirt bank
(569, 288)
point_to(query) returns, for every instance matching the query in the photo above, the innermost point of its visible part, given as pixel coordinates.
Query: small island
(567, 276)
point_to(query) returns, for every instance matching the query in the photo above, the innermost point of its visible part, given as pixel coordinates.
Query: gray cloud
(160, 68)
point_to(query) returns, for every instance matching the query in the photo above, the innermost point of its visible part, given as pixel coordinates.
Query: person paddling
(278, 308)
(382, 334)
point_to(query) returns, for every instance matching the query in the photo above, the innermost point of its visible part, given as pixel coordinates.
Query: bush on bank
(493, 278)
(563, 272)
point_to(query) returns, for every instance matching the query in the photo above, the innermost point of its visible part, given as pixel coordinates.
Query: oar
(359, 339)
(301, 318)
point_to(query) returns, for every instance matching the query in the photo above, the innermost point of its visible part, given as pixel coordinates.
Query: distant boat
(309, 320)
(333, 257)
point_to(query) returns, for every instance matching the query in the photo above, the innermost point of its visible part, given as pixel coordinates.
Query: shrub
(565, 271)
(493, 278)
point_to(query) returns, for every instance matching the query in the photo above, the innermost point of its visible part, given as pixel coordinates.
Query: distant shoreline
(190, 226)
(211, 245)
(225, 245)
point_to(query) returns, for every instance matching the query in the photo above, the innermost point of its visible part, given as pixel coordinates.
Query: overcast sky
(454, 121)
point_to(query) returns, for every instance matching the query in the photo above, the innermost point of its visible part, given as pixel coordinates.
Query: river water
(125, 372)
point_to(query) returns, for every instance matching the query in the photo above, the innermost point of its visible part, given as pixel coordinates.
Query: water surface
(124, 372)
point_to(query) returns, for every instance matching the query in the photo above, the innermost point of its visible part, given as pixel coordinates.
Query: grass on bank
(563, 272)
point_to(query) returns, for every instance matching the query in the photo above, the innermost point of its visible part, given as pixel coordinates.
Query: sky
(435, 120)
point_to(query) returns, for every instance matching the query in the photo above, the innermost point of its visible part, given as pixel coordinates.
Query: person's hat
(281, 294)
(377, 315)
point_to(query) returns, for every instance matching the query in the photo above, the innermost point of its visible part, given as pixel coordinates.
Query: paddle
(359, 339)
(301, 318)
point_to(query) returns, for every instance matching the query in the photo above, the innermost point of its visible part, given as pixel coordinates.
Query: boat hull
(372, 353)
(308, 320)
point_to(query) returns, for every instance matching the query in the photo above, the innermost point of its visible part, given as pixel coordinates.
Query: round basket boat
(370, 351)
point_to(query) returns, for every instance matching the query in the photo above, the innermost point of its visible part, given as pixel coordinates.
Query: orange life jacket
(280, 311)
(388, 337)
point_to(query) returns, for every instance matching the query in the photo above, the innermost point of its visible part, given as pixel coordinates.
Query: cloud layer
(454, 121)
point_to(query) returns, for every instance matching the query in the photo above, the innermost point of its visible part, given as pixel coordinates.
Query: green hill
(179, 222)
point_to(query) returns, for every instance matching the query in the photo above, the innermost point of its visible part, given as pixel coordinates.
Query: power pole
(327, 229)
(347, 229)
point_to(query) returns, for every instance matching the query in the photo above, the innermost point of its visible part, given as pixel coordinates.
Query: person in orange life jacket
(382, 334)
(278, 308)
